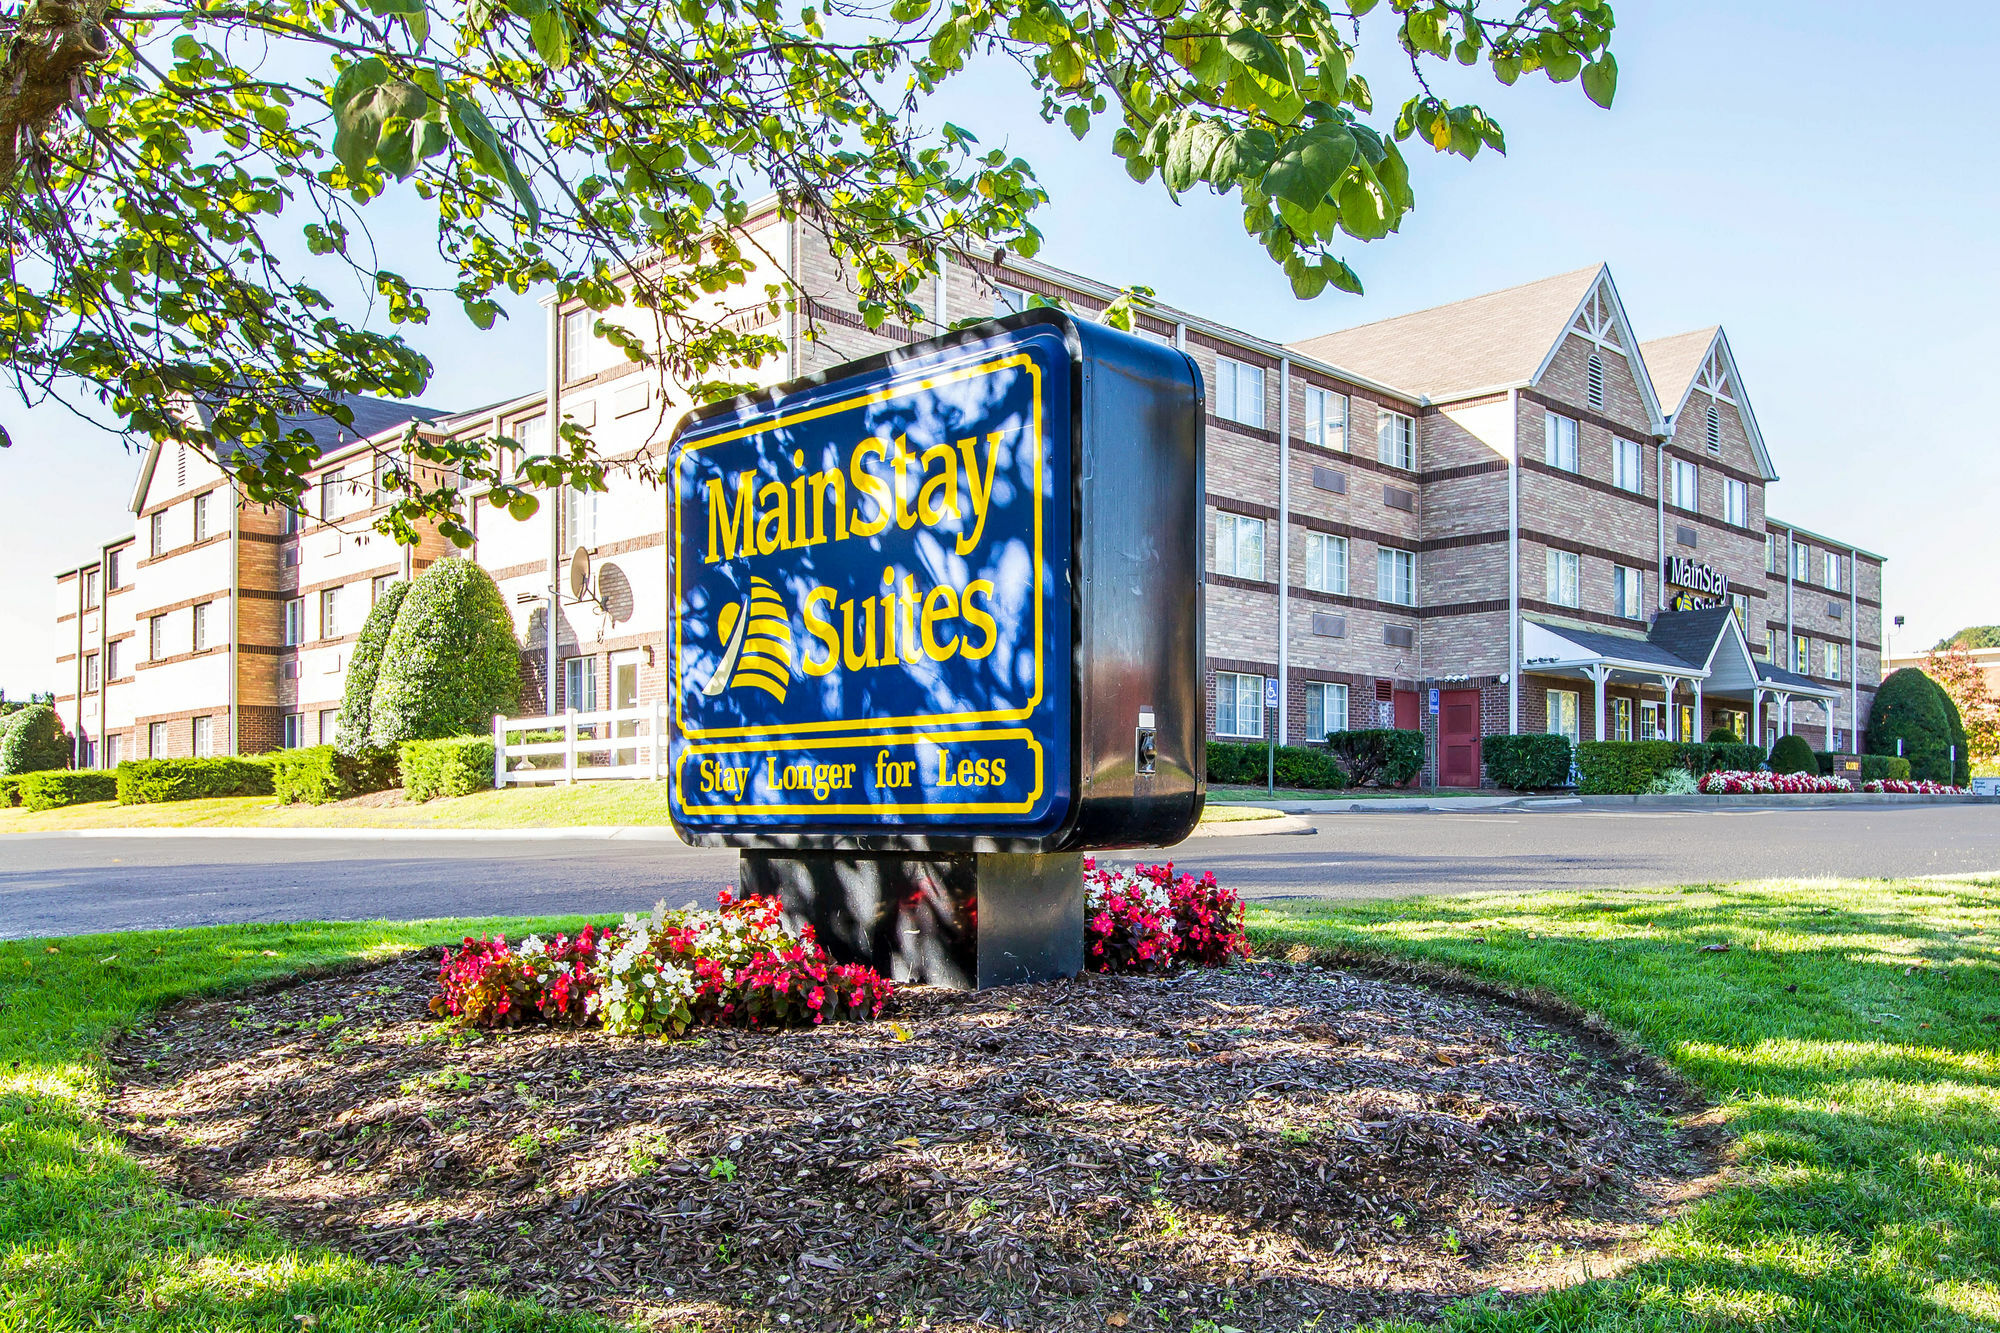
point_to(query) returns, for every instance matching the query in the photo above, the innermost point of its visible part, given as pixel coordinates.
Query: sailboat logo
(757, 633)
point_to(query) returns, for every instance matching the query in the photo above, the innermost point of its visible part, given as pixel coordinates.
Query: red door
(1458, 739)
(1406, 710)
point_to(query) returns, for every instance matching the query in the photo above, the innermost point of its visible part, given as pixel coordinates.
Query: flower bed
(1147, 919)
(1736, 782)
(1913, 787)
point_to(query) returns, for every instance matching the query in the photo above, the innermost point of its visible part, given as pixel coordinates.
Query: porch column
(1784, 713)
(1829, 723)
(1756, 736)
(1598, 675)
(1667, 683)
(1700, 722)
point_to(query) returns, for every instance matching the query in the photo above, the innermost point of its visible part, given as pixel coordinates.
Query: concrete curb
(1470, 804)
(1244, 828)
(589, 832)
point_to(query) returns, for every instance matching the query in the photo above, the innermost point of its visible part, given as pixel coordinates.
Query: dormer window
(1594, 379)
(1714, 430)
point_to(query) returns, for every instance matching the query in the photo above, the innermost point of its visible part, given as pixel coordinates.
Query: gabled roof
(1484, 343)
(1777, 678)
(372, 417)
(1618, 648)
(1691, 635)
(1701, 359)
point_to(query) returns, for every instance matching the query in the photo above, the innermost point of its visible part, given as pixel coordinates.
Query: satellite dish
(579, 573)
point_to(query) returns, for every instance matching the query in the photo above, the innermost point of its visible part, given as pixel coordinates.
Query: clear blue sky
(1810, 176)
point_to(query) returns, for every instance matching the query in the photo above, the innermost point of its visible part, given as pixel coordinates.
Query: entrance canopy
(1700, 650)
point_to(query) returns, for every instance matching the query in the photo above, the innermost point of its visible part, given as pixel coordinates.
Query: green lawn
(1231, 792)
(1867, 1101)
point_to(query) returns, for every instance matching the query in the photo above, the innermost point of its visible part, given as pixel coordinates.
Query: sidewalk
(1420, 804)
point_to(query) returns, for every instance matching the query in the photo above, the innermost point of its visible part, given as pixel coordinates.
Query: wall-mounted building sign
(946, 600)
(1699, 584)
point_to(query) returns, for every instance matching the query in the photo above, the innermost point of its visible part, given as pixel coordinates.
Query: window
(1564, 715)
(202, 506)
(532, 434)
(1801, 560)
(1833, 661)
(201, 627)
(90, 597)
(580, 516)
(1565, 574)
(1736, 503)
(1593, 376)
(1625, 468)
(584, 353)
(1621, 719)
(295, 622)
(1772, 564)
(1009, 301)
(1771, 654)
(1326, 709)
(1396, 440)
(156, 535)
(113, 655)
(1239, 704)
(1559, 442)
(329, 613)
(92, 680)
(1326, 562)
(1833, 579)
(1687, 486)
(156, 741)
(329, 725)
(379, 585)
(204, 737)
(295, 731)
(1802, 654)
(291, 521)
(580, 684)
(114, 750)
(1239, 392)
(87, 753)
(1740, 601)
(1396, 576)
(1239, 546)
(1714, 430)
(1628, 593)
(1326, 419)
(1652, 721)
(156, 638)
(112, 561)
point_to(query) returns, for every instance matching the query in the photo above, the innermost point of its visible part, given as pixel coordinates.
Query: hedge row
(1302, 766)
(454, 766)
(318, 774)
(51, 789)
(1874, 767)
(153, 781)
(1613, 768)
(1529, 762)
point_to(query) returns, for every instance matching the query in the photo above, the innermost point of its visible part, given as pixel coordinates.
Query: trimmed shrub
(1793, 754)
(34, 742)
(454, 766)
(1528, 763)
(364, 666)
(53, 788)
(321, 773)
(155, 781)
(1733, 755)
(10, 792)
(1912, 708)
(1613, 768)
(1378, 757)
(1302, 766)
(1723, 736)
(1874, 767)
(451, 661)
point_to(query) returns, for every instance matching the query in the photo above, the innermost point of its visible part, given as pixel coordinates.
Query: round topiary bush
(1723, 736)
(451, 661)
(1912, 708)
(1793, 754)
(34, 742)
(364, 668)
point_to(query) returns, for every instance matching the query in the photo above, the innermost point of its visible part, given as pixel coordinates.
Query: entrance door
(1458, 739)
(625, 697)
(1406, 710)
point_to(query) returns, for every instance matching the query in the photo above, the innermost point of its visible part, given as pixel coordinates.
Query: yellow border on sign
(974, 808)
(886, 394)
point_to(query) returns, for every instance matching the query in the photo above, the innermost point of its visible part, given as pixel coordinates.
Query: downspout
(553, 408)
(104, 652)
(1854, 649)
(1514, 562)
(76, 732)
(1284, 549)
(1660, 510)
(940, 286)
(235, 610)
(791, 265)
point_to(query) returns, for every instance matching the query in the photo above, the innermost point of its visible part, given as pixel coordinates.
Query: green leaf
(1307, 167)
(360, 120)
(1308, 280)
(1364, 206)
(550, 32)
(471, 128)
(1257, 52)
(1600, 79)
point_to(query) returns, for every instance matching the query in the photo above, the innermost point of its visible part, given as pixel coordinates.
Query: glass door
(625, 698)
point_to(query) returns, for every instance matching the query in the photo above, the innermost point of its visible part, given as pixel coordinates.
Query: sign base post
(972, 920)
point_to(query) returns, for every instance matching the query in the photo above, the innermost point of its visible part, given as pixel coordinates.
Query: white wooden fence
(607, 743)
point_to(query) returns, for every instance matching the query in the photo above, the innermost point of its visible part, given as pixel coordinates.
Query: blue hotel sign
(876, 599)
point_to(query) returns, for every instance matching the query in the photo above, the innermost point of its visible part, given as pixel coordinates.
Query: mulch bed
(1255, 1146)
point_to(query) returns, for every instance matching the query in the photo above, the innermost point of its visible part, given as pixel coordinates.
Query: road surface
(61, 885)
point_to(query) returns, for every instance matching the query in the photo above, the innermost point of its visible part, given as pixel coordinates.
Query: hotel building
(1505, 514)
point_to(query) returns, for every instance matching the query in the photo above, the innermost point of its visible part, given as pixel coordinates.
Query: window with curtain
(1326, 709)
(1326, 419)
(1239, 704)
(1396, 576)
(1326, 562)
(1239, 546)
